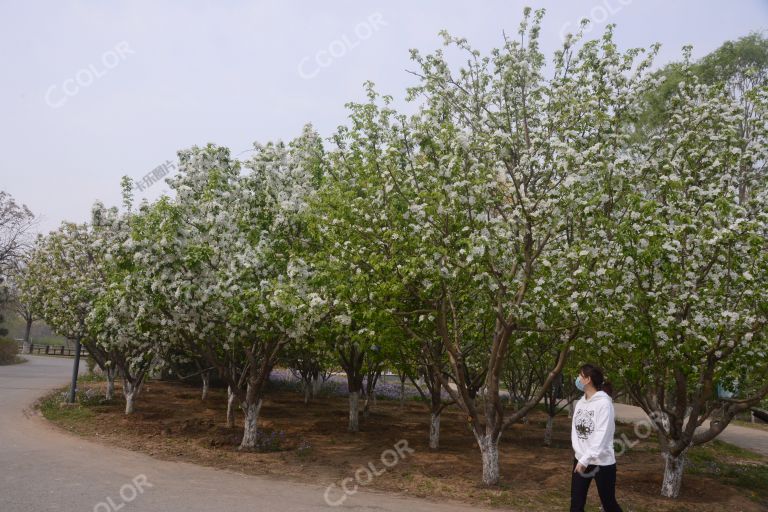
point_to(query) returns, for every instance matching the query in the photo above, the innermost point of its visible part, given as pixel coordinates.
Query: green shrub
(8, 351)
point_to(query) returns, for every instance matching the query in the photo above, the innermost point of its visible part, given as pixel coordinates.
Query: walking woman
(592, 440)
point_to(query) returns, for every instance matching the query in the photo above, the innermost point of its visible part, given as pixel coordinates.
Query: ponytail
(607, 387)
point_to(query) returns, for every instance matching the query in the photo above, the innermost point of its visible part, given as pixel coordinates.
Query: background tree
(61, 283)
(16, 223)
(741, 65)
(18, 303)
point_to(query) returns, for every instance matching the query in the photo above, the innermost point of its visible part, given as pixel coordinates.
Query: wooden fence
(51, 350)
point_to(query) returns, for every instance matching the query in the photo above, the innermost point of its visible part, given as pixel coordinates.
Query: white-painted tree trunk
(130, 392)
(206, 384)
(548, 431)
(434, 431)
(110, 393)
(130, 398)
(27, 346)
(230, 408)
(489, 450)
(354, 409)
(129, 402)
(250, 429)
(673, 475)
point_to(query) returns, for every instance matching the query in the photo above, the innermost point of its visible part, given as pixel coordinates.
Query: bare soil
(171, 422)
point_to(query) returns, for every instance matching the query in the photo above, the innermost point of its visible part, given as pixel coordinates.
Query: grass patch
(92, 377)
(718, 448)
(54, 409)
(732, 465)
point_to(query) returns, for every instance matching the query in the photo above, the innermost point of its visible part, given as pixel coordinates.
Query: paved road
(45, 470)
(752, 439)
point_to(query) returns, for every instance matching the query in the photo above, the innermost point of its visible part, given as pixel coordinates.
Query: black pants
(605, 478)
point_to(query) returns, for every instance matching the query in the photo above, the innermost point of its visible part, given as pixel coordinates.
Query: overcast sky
(91, 91)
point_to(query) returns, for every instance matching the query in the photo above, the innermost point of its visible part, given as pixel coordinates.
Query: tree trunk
(111, 374)
(434, 430)
(129, 392)
(354, 408)
(489, 450)
(206, 376)
(307, 391)
(673, 475)
(27, 346)
(230, 408)
(402, 392)
(370, 394)
(130, 397)
(250, 429)
(570, 409)
(548, 431)
(316, 385)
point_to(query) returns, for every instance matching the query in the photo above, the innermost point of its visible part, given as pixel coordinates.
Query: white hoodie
(592, 430)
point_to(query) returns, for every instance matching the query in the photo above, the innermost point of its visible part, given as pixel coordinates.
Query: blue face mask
(579, 385)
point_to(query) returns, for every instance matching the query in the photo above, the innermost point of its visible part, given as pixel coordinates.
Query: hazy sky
(91, 91)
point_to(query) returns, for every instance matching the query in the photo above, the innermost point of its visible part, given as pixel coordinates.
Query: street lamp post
(75, 370)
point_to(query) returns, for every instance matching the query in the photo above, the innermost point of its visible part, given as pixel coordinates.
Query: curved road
(752, 439)
(45, 470)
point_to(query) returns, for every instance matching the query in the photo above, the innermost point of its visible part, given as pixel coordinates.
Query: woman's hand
(580, 468)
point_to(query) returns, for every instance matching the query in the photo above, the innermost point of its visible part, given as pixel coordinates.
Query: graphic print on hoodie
(585, 423)
(592, 430)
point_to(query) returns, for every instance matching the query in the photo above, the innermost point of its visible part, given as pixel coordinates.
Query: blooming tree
(61, 284)
(480, 206)
(128, 346)
(684, 301)
(223, 263)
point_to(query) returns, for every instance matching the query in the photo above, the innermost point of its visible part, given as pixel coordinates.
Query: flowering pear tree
(351, 335)
(19, 302)
(130, 347)
(62, 284)
(180, 250)
(421, 359)
(480, 206)
(685, 299)
(222, 262)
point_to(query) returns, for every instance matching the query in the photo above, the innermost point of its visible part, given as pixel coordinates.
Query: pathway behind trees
(752, 439)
